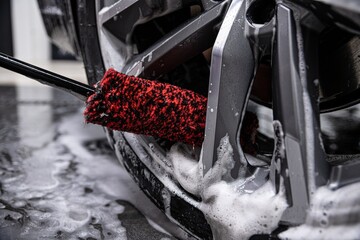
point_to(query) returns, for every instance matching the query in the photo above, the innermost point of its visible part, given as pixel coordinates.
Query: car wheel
(280, 60)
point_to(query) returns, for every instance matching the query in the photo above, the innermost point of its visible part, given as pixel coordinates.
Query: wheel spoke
(231, 76)
(207, 4)
(186, 42)
(121, 18)
(120, 7)
(303, 166)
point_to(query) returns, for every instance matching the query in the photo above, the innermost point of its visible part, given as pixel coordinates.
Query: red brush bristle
(136, 105)
(141, 106)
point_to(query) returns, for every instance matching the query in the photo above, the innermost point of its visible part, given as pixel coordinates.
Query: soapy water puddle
(59, 179)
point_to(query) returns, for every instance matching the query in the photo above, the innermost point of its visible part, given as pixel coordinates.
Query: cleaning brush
(132, 104)
(142, 106)
(147, 107)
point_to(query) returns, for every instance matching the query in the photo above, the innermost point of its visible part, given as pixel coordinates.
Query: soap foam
(239, 216)
(332, 215)
(232, 214)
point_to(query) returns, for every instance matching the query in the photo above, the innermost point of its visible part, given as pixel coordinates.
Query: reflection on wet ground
(59, 179)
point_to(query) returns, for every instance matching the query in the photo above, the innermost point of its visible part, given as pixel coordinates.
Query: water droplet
(323, 222)
(152, 147)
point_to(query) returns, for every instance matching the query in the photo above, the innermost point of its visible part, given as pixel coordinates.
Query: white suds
(239, 216)
(231, 214)
(332, 215)
(186, 169)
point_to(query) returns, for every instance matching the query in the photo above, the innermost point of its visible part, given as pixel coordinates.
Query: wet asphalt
(59, 178)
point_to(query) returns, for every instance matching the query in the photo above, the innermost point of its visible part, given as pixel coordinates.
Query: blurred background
(23, 36)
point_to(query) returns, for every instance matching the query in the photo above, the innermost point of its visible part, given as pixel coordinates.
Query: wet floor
(59, 179)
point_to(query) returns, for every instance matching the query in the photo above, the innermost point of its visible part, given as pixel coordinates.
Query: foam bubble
(332, 214)
(231, 213)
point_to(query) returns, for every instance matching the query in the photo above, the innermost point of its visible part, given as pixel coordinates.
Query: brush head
(140, 106)
(136, 105)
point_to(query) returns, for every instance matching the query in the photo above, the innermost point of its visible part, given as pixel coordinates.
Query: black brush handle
(46, 77)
